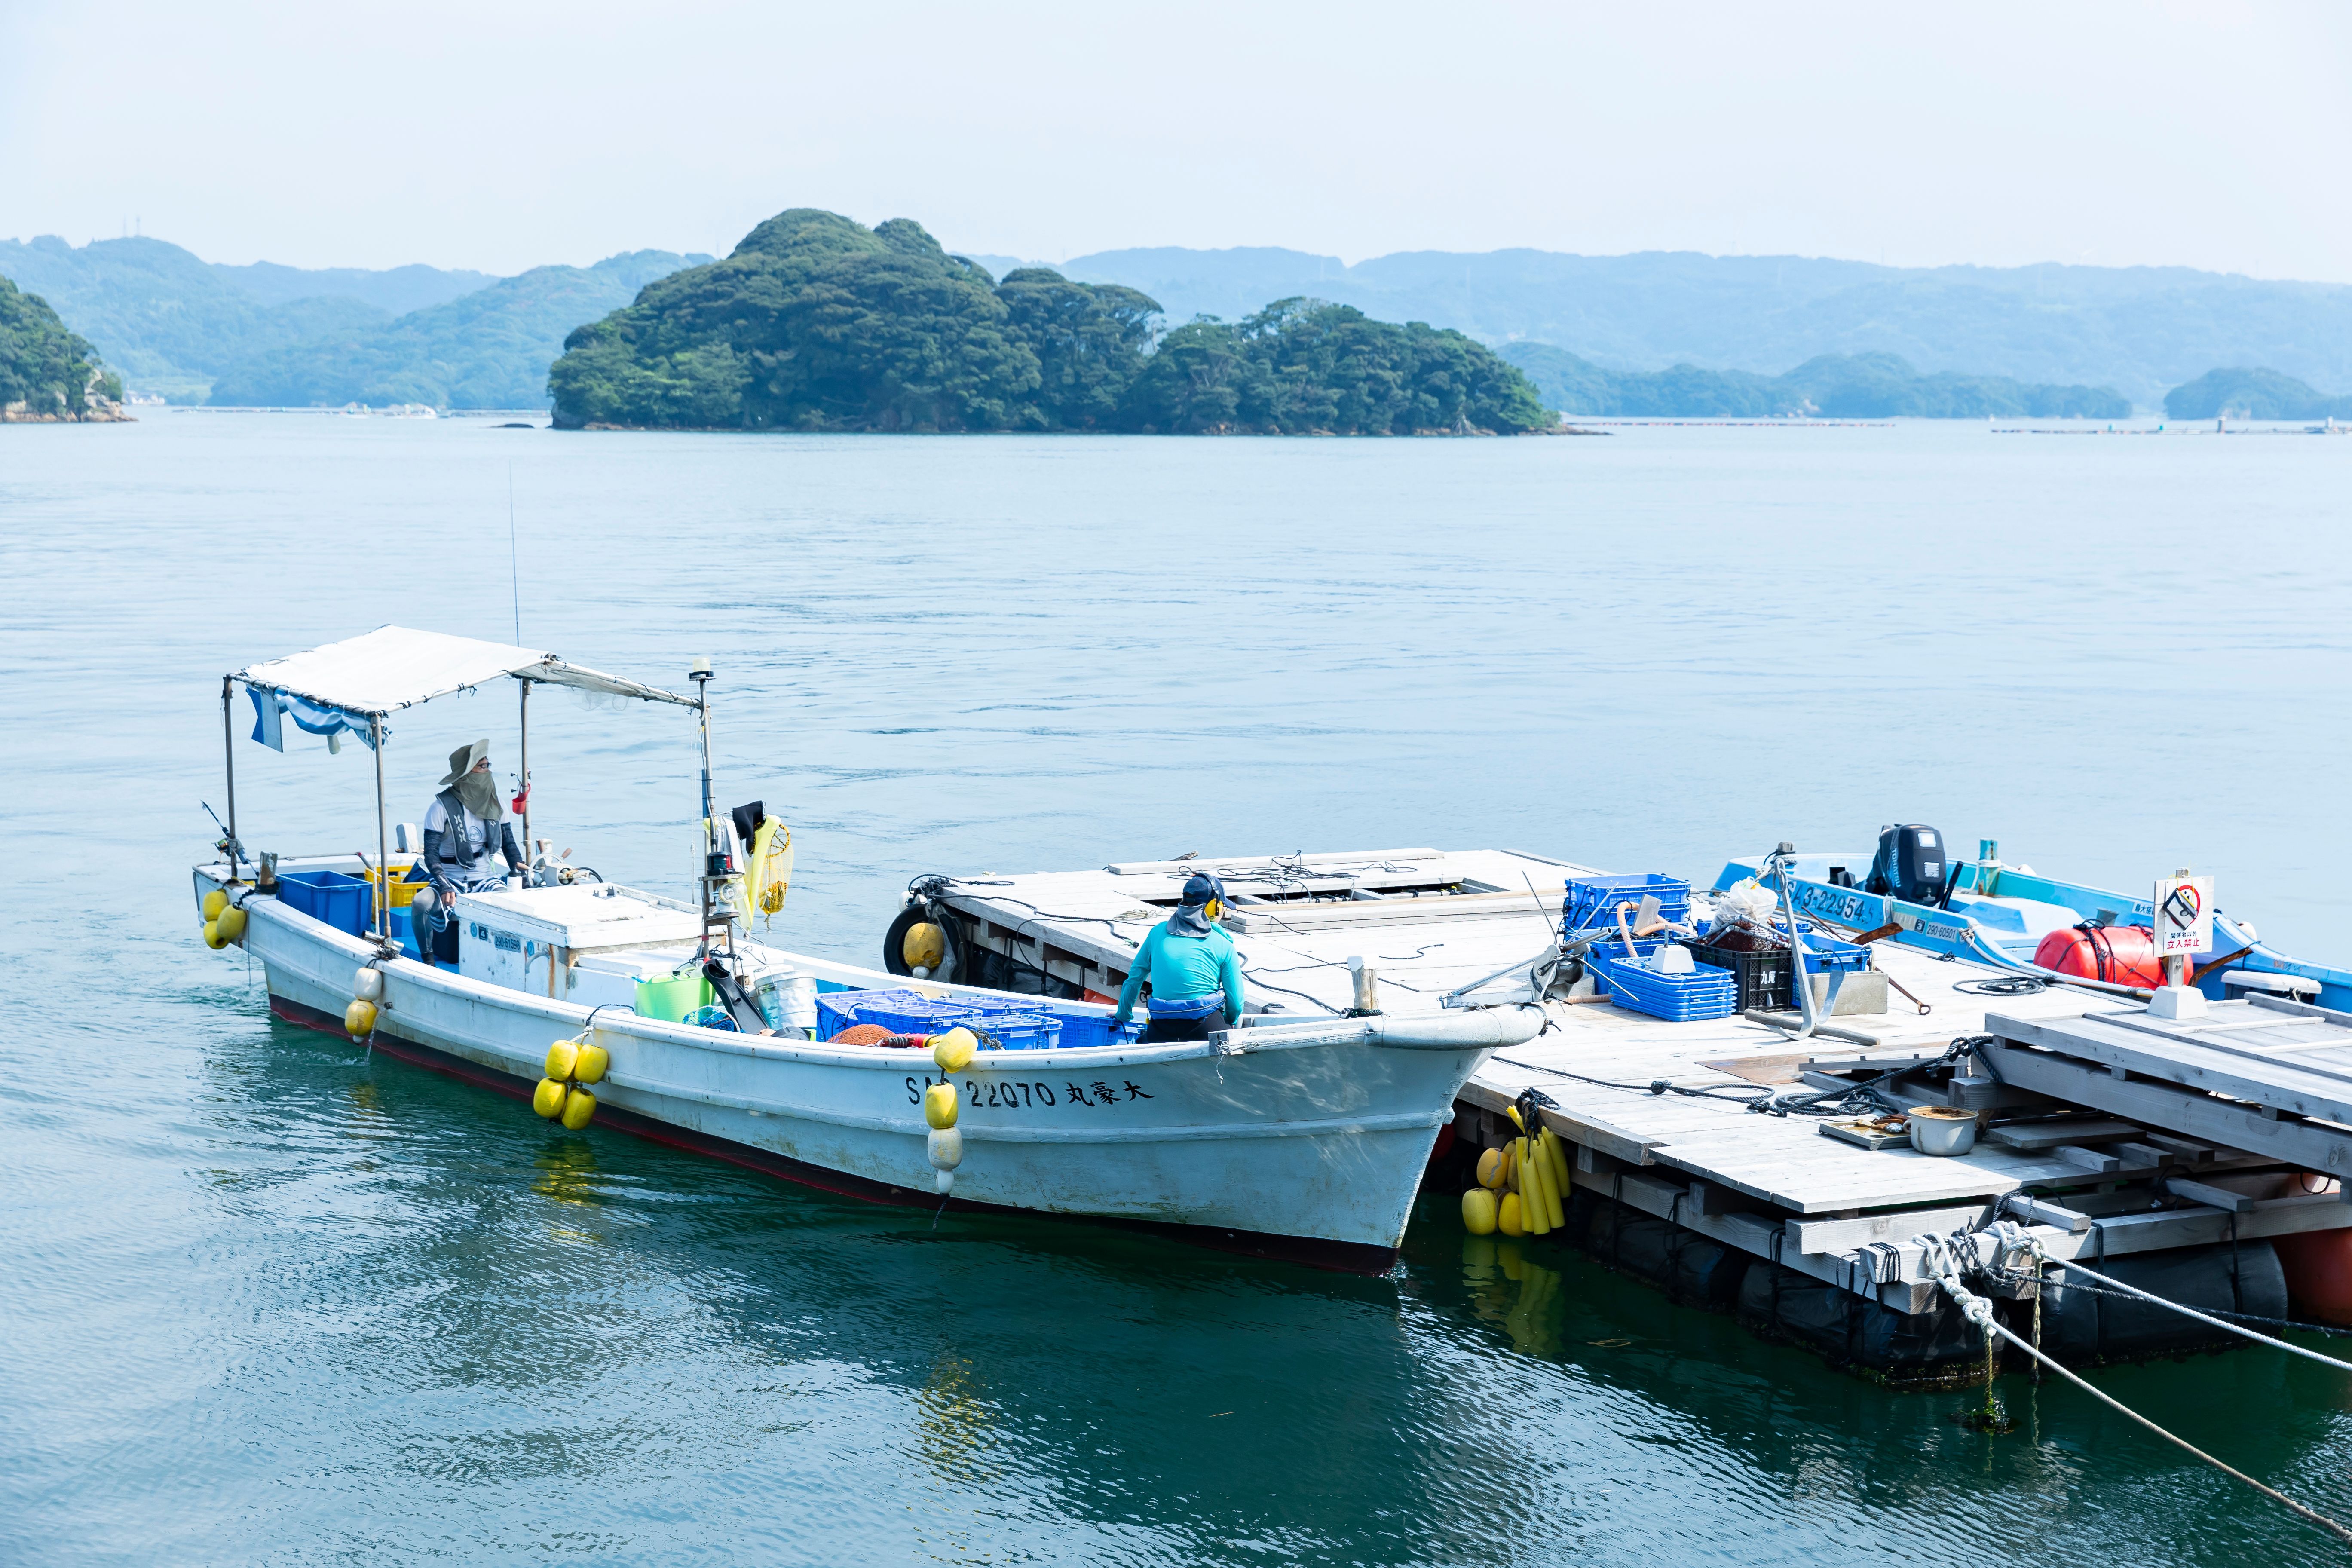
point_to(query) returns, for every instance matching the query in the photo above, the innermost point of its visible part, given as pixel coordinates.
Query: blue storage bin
(1083, 1029)
(1001, 1025)
(1591, 902)
(837, 1010)
(344, 902)
(1705, 992)
(1013, 1031)
(1828, 955)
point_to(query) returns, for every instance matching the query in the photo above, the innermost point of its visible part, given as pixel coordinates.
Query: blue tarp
(270, 709)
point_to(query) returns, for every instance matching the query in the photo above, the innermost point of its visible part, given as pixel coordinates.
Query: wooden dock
(1774, 1186)
(2105, 1137)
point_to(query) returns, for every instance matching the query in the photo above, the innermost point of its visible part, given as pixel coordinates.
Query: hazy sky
(500, 136)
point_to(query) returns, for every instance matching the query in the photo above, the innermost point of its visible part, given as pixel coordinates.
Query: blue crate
(1828, 955)
(1014, 1031)
(837, 1010)
(1083, 1029)
(1705, 992)
(344, 902)
(1001, 1025)
(1591, 902)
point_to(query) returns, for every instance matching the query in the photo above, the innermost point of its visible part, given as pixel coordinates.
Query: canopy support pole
(228, 756)
(382, 836)
(710, 839)
(527, 851)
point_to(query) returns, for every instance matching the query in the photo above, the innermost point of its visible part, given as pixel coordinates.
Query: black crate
(1762, 974)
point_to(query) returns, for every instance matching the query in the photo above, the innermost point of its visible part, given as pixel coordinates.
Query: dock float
(2178, 1156)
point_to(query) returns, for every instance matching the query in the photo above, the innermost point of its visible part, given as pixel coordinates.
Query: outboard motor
(1910, 865)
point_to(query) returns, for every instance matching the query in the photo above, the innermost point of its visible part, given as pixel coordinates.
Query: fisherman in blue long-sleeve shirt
(1194, 972)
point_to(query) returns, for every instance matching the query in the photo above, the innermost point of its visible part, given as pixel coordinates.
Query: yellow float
(562, 1057)
(1478, 1211)
(359, 1019)
(923, 946)
(591, 1063)
(231, 923)
(1507, 1216)
(215, 903)
(213, 938)
(578, 1107)
(548, 1098)
(939, 1105)
(1491, 1170)
(953, 1050)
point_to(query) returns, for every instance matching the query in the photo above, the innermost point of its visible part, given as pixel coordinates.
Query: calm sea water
(263, 1300)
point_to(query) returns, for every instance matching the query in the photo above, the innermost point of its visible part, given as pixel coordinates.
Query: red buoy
(2318, 1269)
(2120, 955)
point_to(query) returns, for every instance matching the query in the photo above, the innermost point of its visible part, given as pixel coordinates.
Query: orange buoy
(2120, 955)
(2318, 1269)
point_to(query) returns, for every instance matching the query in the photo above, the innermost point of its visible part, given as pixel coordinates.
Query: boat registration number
(1013, 1094)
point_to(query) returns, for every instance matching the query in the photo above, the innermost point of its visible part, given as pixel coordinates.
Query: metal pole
(382, 836)
(526, 778)
(228, 755)
(701, 674)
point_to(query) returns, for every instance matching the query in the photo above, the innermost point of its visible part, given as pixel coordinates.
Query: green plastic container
(672, 1000)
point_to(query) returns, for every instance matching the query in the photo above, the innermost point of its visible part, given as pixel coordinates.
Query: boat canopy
(394, 668)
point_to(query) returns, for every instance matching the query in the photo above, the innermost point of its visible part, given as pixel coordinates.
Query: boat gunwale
(363, 954)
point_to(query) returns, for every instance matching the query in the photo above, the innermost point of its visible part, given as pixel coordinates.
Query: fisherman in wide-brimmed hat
(470, 847)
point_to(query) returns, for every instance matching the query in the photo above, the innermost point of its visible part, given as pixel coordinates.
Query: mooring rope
(2276, 1495)
(1946, 1256)
(2203, 1317)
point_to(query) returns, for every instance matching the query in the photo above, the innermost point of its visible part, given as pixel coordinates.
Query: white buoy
(944, 1183)
(945, 1147)
(368, 985)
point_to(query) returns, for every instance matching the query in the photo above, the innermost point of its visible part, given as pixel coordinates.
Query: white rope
(2190, 1311)
(1941, 1255)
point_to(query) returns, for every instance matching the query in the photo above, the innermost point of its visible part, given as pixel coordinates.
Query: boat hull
(1306, 1148)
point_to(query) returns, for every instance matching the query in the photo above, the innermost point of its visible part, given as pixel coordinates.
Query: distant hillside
(173, 324)
(395, 290)
(489, 349)
(2251, 395)
(46, 372)
(159, 315)
(2139, 329)
(817, 322)
(1835, 386)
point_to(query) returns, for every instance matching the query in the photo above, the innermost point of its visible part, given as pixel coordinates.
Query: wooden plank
(2171, 1059)
(1845, 1234)
(2211, 1196)
(2037, 1137)
(2041, 1211)
(2312, 1146)
(2092, 1160)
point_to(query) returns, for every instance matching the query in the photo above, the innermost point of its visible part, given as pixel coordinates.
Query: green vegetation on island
(46, 372)
(817, 322)
(2253, 395)
(1829, 386)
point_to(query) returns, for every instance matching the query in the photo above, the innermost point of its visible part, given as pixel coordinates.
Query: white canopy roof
(394, 668)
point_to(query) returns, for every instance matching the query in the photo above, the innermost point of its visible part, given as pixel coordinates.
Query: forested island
(46, 373)
(817, 322)
(2253, 395)
(1829, 386)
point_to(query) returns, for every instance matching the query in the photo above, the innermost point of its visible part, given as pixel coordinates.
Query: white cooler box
(568, 942)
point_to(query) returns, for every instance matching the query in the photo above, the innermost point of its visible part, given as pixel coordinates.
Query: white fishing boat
(1284, 1137)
